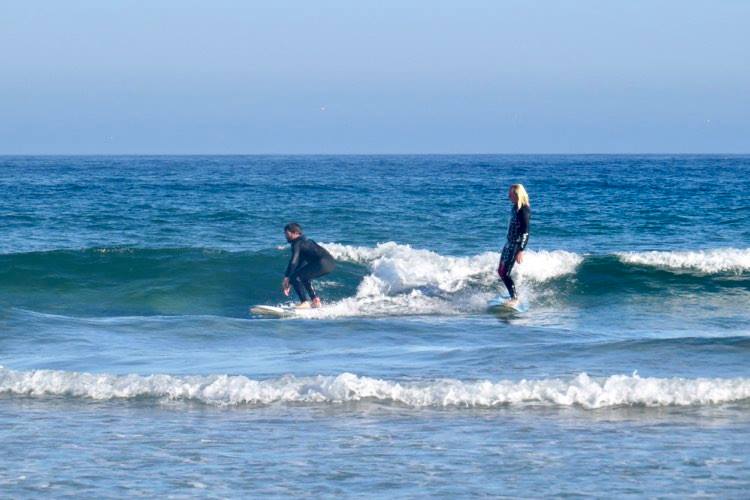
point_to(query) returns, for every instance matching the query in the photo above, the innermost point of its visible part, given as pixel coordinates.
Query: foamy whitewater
(617, 390)
(406, 281)
(130, 364)
(725, 260)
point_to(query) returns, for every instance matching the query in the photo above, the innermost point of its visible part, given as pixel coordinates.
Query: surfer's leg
(509, 284)
(312, 271)
(299, 289)
(310, 289)
(506, 266)
(309, 273)
(300, 283)
(305, 276)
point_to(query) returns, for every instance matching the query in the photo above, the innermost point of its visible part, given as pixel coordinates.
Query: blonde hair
(522, 196)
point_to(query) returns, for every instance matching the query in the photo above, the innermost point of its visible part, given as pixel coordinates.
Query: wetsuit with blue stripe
(518, 238)
(309, 260)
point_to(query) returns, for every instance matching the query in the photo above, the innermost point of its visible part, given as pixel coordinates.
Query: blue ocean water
(129, 363)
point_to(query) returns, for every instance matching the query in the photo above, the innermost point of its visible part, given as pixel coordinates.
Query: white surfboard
(272, 311)
(499, 304)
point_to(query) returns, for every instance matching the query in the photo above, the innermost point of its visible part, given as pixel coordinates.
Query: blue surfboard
(499, 304)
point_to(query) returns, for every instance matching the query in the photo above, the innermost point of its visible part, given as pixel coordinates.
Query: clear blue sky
(522, 76)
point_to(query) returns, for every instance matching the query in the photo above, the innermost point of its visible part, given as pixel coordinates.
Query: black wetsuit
(309, 260)
(518, 237)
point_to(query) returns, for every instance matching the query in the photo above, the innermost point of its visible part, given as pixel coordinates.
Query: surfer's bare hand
(519, 257)
(285, 286)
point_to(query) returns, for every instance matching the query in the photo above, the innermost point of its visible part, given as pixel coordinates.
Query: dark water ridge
(117, 281)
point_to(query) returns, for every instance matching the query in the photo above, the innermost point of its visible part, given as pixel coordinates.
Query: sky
(374, 77)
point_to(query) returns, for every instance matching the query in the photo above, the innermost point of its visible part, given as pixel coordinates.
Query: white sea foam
(725, 260)
(406, 280)
(225, 390)
(405, 265)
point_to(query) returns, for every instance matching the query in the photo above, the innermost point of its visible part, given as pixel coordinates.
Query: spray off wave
(225, 390)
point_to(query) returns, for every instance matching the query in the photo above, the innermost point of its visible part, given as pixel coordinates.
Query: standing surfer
(308, 261)
(518, 237)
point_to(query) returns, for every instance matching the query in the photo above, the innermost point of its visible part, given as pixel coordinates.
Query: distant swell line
(232, 390)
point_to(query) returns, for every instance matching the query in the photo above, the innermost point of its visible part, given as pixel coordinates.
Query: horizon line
(381, 154)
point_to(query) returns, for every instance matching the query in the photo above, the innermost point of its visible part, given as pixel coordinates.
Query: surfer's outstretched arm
(294, 259)
(523, 220)
(292, 266)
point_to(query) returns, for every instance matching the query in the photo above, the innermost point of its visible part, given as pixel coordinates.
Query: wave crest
(405, 280)
(400, 267)
(226, 390)
(725, 260)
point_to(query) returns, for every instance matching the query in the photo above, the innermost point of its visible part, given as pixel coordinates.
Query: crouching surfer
(308, 261)
(518, 237)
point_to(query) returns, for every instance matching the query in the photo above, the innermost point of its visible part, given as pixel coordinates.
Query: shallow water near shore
(129, 363)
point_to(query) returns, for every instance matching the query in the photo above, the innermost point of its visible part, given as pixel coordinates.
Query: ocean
(130, 365)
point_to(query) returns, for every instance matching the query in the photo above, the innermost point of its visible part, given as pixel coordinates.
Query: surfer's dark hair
(293, 227)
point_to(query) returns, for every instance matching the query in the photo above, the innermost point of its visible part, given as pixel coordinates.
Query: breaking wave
(405, 280)
(726, 260)
(233, 390)
(383, 280)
